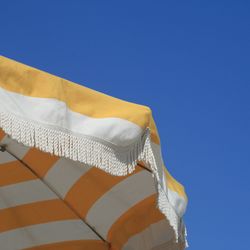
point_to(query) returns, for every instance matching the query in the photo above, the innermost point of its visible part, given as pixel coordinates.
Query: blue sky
(187, 60)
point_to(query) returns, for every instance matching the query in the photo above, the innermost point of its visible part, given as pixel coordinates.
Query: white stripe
(24, 193)
(15, 148)
(118, 200)
(178, 202)
(62, 176)
(46, 233)
(6, 158)
(169, 245)
(53, 112)
(159, 163)
(155, 235)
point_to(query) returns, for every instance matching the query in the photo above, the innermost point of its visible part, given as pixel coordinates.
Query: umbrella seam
(4, 149)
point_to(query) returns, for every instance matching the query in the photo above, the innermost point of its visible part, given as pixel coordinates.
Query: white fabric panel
(62, 176)
(155, 235)
(24, 193)
(17, 149)
(177, 202)
(53, 112)
(118, 200)
(6, 158)
(46, 233)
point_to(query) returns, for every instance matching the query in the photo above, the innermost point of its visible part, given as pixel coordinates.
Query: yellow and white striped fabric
(80, 169)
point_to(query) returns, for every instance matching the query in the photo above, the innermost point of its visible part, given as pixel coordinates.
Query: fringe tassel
(91, 151)
(185, 236)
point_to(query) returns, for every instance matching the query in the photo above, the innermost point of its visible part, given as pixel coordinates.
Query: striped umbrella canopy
(81, 170)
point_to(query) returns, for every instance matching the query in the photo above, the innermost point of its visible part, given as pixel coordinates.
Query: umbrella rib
(142, 166)
(4, 149)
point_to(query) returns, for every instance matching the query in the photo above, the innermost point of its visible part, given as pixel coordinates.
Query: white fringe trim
(91, 151)
(185, 235)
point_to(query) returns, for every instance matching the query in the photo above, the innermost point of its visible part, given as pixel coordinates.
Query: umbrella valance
(59, 123)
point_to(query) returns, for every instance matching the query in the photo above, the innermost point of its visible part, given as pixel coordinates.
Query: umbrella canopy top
(67, 120)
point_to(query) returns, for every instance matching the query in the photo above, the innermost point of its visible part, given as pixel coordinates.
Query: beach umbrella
(81, 170)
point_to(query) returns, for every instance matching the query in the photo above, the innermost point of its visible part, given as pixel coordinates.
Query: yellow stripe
(134, 221)
(2, 134)
(40, 162)
(34, 213)
(73, 245)
(28, 81)
(86, 188)
(14, 172)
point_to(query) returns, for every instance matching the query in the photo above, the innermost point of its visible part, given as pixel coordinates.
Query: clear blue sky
(188, 60)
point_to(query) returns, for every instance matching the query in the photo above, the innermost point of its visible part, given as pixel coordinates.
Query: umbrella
(80, 169)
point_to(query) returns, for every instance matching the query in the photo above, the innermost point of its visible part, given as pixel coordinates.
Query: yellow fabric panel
(28, 81)
(89, 192)
(12, 172)
(2, 134)
(134, 221)
(39, 161)
(34, 213)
